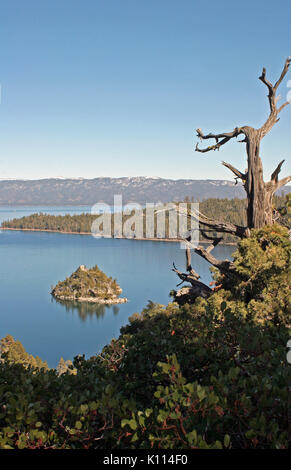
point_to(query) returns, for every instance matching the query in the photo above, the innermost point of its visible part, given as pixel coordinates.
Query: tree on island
(260, 210)
(89, 285)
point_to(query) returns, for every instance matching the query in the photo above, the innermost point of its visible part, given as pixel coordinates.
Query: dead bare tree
(259, 193)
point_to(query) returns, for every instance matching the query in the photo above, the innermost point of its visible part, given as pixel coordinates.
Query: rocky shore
(96, 300)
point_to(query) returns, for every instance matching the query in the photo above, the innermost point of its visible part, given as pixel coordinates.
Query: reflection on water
(86, 310)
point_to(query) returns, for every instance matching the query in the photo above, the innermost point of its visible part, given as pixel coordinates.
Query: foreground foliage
(14, 353)
(209, 375)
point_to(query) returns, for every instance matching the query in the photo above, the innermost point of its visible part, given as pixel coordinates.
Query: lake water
(13, 212)
(32, 262)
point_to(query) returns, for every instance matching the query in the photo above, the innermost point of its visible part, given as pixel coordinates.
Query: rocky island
(89, 285)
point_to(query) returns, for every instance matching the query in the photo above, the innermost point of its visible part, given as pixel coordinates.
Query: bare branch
(238, 173)
(225, 137)
(274, 176)
(284, 72)
(214, 243)
(188, 260)
(273, 99)
(223, 227)
(274, 184)
(200, 289)
(265, 81)
(225, 266)
(282, 182)
(282, 107)
(188, 263)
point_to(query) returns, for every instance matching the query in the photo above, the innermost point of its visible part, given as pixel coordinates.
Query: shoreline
(92, 300)
(168, 240)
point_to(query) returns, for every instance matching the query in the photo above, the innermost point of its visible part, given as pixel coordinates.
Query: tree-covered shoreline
(229, 210)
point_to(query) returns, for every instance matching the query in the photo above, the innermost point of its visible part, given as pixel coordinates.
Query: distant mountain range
(80, 191)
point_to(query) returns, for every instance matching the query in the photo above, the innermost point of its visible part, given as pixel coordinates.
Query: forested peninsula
(228, 210)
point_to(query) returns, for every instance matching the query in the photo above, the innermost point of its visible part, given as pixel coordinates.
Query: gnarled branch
(274, 175)
(223, 227)
(225, 266)
(283, 181)
(239, 174)
(215, 241)
(200, 289)
(225, 137)
(189, 266)
(273, 99)
(274, 184)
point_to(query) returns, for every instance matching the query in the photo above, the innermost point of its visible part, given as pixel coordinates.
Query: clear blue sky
(117, 87)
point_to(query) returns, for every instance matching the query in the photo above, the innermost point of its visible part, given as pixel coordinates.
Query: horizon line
(111, 177)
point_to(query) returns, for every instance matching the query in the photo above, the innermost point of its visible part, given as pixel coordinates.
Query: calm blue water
(13, 212)
(32, 262)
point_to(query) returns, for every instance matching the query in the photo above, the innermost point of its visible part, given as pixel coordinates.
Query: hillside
(57, 191)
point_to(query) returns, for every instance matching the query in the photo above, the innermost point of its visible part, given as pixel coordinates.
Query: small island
(89, 285)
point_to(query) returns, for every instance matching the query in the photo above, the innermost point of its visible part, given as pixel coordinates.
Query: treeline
(227, 210)
(13, 352)
(61, 223)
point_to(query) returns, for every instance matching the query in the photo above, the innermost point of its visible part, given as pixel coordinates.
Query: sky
(93, 88)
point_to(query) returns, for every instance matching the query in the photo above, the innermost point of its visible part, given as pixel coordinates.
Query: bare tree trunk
(259, 210)
(255, 186)
(259, 194)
